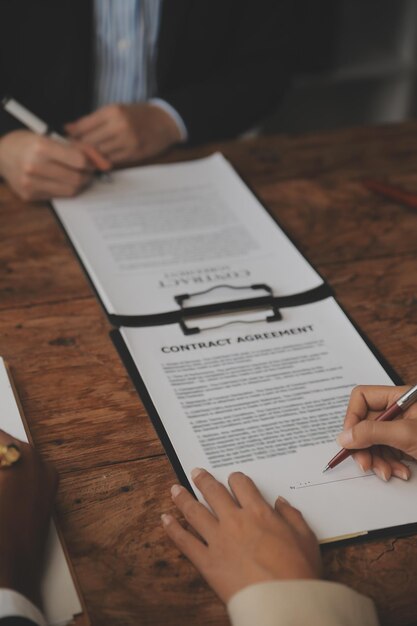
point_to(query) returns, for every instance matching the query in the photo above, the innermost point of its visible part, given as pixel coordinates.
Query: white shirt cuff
(312, 602)
(13, 604)
(165, 106)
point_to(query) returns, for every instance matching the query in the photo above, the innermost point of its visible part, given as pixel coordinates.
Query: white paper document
(269, 399)
(158, 231)
(59, 595)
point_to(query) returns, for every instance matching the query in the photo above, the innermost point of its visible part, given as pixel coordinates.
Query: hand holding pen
(376, 444)
(39, 163)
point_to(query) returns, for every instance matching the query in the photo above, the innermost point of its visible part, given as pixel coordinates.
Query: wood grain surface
(86, 417)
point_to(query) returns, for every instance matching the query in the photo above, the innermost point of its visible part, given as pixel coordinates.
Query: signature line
(338, 480)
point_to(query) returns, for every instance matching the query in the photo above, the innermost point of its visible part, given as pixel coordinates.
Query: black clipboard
(403, 530)
(179, 315)
(175, 315)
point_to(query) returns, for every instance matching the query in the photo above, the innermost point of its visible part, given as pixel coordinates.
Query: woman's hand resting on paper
(244, 540)
(382, 445)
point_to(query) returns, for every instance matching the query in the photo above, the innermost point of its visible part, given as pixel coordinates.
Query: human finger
(363, 459)
(88, 123)
(194, 512)
(398, 434)
(98, 135)
(30, 462)
(247, 493)
(368, 402)
(185, 541)
(367, 398)
(111, 146)
(63, 187)
(215, 494)
(114, 151)
(99, 161)
(44, 150)
(380, 466)
(43, 188)
(56, 172)
(292, 516)
(69, 155)
(398, 469)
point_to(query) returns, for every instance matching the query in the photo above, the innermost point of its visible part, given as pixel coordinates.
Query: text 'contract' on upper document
(158, 231)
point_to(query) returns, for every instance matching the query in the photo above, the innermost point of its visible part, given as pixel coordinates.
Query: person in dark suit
(133, 79)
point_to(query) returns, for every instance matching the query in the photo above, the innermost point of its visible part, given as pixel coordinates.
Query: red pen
(392, 193)
(393, 411)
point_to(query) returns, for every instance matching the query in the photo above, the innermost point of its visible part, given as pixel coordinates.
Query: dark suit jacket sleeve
(249, 79)
(46, 59)
(7, 122)
(16, 621)
(7, 125)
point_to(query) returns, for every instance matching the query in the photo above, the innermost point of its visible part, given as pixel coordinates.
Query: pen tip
(326, 468)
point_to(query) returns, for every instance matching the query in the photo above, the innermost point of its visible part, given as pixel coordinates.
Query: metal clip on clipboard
(228, 307)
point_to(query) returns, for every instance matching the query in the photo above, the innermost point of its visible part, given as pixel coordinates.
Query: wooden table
(84, 413)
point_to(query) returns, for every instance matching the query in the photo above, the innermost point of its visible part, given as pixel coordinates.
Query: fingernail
(359, 464)
(165, 519)
(195, 473)
(282, 499)
(382, 475)
(403, 474)
(345, 438)
(176, 490)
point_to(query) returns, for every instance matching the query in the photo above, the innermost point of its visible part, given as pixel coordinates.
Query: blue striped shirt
(126, 33)
(126, 36)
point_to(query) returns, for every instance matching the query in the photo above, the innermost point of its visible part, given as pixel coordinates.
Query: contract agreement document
(235, 388)
(59, 595)
(269, 399)
(154, 232)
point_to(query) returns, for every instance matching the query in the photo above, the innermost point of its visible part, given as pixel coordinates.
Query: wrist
(21, 577)
(177, 125)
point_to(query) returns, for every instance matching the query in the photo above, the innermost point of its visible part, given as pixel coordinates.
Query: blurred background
(355, 64)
